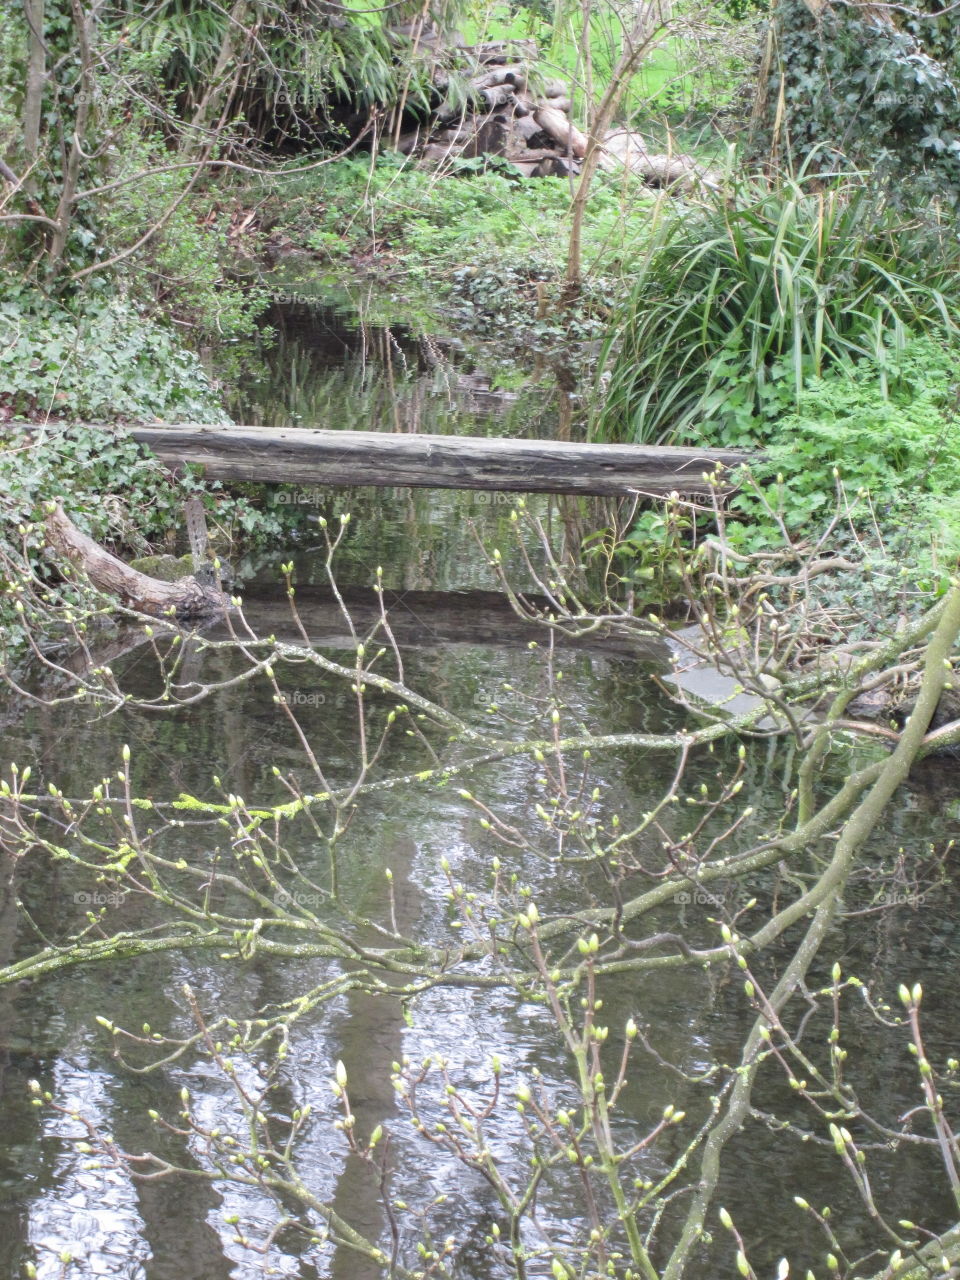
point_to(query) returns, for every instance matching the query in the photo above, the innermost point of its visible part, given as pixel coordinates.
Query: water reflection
(326, 364)
(181, 1228)
(158, 1230)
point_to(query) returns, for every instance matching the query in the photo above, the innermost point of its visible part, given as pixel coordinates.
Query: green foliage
(183, 269)
(12, 55)
(112, 491)
(474, 230)
(649, 558)
(97, 364)
(854, 89)
(901, 450)
(182, 223)
(98, 361)
(289, 66)
(706, 81)
(109, 487)
(886, 463)
(739, 303)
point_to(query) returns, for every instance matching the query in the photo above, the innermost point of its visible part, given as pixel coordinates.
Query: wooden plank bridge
(308, 457)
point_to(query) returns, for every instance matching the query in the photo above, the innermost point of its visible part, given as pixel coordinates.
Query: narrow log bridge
(308, 457)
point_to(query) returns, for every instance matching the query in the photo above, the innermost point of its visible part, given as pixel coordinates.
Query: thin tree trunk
(216, 85)
(652, 19)
(36, 82)
(83, 22)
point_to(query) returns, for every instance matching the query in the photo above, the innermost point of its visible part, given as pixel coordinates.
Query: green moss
(166, 568)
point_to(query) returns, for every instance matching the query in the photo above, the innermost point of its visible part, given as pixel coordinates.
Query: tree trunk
(36, 82)
(653, 17)
(185, 600)
(83, 22)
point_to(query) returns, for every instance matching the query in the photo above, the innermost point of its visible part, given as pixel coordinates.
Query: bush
(740, 303)
(852, 88)
(101, 361)
(901, 449)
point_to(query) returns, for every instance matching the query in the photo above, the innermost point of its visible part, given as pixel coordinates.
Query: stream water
(326, 369)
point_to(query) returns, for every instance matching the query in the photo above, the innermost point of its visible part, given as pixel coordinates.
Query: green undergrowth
(817, 327)
(477, 233)
(765, 288)
(114, 492)
(879, 468)
(103, 359)
(77, 371)
(895, 452)
(71, 375)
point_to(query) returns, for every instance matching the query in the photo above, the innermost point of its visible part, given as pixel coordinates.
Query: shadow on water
(49, 1201)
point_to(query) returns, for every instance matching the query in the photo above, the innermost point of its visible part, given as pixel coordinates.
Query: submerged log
(426, 619)
(186, 599)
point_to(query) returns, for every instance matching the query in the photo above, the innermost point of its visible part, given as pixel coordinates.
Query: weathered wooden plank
(305, 456)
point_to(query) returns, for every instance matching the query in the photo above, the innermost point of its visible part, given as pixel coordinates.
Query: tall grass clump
(740, 301)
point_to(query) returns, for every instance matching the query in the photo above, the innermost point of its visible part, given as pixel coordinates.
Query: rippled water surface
(324, 372)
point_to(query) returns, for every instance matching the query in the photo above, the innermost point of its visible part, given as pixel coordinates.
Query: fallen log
(622, 149)
(514, 75)
(187, 600)
(498, 96)
(557, 166)
(562, 129)
(627, 149)
(304, 456)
